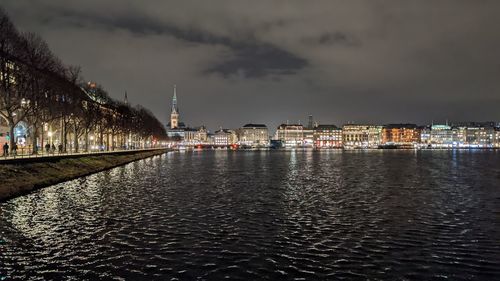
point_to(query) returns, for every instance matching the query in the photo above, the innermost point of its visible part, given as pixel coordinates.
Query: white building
(361, 136)
(290, 135)
(253, 135)
(225, 137)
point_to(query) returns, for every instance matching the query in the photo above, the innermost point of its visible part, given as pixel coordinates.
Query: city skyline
(175, 118)
(268, 62)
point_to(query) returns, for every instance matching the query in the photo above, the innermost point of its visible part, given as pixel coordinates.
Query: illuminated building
(174, 115)
(361, 136)
(225, 137)
(497, 137)
(438, 136)
(405, 135)
(253, 135)
(4, 131)
(477, 137)
(290, 135)
(175, 128)
(195, 136)
(308, 133)
(327, 136)
(9, 74)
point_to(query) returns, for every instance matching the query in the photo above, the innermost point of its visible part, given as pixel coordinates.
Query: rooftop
(255, 126)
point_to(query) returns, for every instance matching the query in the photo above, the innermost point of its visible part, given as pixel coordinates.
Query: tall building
(175, 128)
(174, 115)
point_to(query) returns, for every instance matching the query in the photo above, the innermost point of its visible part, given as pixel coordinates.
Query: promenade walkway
(24, 155)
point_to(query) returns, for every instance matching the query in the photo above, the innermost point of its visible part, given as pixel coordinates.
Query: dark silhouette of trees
(37, 88)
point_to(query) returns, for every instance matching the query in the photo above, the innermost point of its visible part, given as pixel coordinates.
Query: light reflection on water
(264, 215)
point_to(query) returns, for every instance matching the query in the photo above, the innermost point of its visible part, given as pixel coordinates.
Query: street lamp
(92, 144)
(50, 136)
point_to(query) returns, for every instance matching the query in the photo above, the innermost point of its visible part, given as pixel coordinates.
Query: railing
(25, 152)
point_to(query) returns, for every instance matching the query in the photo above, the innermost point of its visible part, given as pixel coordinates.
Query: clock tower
(174, 115)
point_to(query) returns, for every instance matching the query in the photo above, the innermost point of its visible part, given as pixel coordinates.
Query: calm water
(277, 215)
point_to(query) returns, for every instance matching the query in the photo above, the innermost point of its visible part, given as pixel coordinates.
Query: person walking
(47, 148)
(14, 149)
(5, 149)
(53, 148)
(60, 147)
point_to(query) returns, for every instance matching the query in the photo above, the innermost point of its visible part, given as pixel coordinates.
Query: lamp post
(91, 143)
(50, 136)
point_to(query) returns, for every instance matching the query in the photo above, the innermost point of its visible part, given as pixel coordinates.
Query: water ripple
(281, 215)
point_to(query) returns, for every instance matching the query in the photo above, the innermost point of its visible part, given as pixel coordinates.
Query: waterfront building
(401, 135)
(225, 137)
(308, 137)
(361, 136)
(309, 132)
(477, 137)
(195, 136)
(425, 135)
(253, 135)
(497, 136)
(327, 136)
(439, 136)
(210, 138)
(290, 135)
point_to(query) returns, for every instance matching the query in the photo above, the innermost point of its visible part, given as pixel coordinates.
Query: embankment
(21, 176)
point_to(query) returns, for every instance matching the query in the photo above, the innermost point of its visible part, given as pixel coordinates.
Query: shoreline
(23, 175)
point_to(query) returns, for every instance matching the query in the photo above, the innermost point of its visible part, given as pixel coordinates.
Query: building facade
(406, 135)
(497, 137)
(327, 136)
(253, 135)
(361, 136)
(474, 137)
(196, 136)
(225, 137)
(290, 135)
(438, 136)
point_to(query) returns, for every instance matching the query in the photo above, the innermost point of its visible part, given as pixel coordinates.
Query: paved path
(70, 154)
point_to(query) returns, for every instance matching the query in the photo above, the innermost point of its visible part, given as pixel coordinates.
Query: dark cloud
(269, 61)
(249, 57)
(333, 38)
(257, 61)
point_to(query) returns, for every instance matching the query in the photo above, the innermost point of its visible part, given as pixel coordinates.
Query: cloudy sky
(236, 62)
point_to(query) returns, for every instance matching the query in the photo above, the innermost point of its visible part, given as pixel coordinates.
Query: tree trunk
(11, 134)
(75, 141)
(101, 138)
(65, 137)
(86, 140)
(107, 141)
(34, 140)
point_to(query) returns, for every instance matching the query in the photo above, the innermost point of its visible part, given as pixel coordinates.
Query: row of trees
(38, 89)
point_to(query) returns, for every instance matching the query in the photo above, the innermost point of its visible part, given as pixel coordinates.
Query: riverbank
(25, 175)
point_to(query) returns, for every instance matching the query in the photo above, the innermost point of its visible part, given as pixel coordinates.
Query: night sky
(236, 62)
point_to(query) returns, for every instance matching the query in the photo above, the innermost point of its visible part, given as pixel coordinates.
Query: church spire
(174, 100)
(126, 98)
(174, 116)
